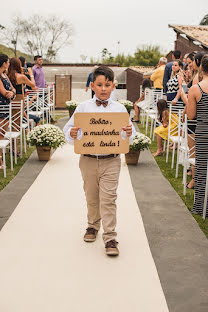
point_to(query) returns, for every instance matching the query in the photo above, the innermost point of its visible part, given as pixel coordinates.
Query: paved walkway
(178, 246)
(46, 265)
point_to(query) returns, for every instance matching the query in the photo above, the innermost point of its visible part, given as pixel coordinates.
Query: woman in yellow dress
(162, 131)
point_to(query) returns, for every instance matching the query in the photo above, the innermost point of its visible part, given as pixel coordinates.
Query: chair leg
(177, 162)
(25, 143)
(147, 120)
(184, 177)
(173, 155)
(4, 162)
(15, 151)
(11, 157)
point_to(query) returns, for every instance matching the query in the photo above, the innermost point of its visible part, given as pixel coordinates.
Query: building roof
(195, 33)
(145, 70)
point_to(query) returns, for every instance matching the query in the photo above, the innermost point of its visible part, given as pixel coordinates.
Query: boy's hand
(128, 130)
(73, 132)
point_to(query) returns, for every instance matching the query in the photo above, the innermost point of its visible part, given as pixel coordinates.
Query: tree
(204, 20)
(11, 35)
(46, 36)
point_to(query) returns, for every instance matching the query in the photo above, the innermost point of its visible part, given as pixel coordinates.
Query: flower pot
(71, 111)
(132, 157)
(44, 152)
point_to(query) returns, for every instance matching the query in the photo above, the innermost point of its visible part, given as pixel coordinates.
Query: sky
(102, 24)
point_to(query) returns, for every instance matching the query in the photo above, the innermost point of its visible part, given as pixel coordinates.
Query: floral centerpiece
(140, 142)
(71, 106)
(46, 138)
(128, 104)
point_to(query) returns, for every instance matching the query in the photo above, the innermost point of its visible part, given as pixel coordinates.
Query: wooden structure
(135, 77)
(63, 90)
(190, 38)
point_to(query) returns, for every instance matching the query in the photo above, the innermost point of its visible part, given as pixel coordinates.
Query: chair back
(5, 119)
(16, 115)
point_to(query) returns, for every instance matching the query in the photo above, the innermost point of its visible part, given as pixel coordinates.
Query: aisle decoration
(128, 104)
(71, 106)
(46, 138)
(140, 143)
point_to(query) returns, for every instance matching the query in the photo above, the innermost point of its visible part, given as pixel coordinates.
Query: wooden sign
(101, 133)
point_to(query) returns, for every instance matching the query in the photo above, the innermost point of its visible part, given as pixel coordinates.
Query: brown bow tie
(99, 102)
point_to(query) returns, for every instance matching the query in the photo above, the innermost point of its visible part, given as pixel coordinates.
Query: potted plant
(128, 104)
(71, 106)
(46, 138)
(140, 142)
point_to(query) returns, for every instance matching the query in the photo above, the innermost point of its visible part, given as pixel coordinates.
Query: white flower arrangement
(46, 135)
(128, 104)
(140, 142)
(71, 104)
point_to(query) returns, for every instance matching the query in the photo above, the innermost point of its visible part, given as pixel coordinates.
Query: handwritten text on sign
(101, 133)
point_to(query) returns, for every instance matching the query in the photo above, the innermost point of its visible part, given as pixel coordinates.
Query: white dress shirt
(90, 106)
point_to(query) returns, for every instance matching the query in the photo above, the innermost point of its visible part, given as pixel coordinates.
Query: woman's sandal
(158, 154)
(133, 120)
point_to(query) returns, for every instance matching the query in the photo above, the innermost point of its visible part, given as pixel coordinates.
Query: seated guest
(157, 76)
(7, 92)
(146, 84)
(162, 131)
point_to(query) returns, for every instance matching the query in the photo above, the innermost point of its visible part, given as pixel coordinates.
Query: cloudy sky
(101, 24)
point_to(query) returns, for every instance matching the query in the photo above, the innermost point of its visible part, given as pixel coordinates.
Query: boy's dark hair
(103, 71)
(36, 57)
(161, 107)
(3, 59)
(177, 54)
(22, 60)
(146, 84)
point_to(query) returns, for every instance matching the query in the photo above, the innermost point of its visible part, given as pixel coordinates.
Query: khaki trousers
(100, 185)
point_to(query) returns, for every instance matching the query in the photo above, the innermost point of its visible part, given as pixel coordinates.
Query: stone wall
(186, 46)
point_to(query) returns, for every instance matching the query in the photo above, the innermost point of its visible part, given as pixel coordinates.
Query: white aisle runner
(45, 266)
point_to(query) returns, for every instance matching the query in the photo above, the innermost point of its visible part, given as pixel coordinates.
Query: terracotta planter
(44, 152)
(132, 157)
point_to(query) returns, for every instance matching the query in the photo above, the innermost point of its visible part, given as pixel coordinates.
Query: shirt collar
(96, 98)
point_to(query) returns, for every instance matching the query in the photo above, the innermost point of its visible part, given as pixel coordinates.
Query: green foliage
(204, 20)
(145, 56)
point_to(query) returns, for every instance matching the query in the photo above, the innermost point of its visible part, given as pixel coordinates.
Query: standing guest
(190, 62)
(157, 76)
(100, 173)
(18, 79)
(7, 92)
(185, 58)
(168, 69)
(174, 84)
(196, 66)
(38, 72)
(198, 107)
(90, 80)
(145, 85)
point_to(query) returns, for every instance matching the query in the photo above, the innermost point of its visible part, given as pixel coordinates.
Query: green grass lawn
(11, 174)
(169, 174)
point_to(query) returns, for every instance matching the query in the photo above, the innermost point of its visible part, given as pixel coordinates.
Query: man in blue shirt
(168, 69)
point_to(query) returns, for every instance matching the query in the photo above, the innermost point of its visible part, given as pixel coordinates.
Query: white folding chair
(15, 131)
(175, 117)
(5, 124)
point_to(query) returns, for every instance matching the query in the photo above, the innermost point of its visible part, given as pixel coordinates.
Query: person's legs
(109, 170)
(137, 113)
(159, 146)
(89, 171)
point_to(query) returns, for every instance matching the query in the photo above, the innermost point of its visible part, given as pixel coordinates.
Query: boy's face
(102, 87)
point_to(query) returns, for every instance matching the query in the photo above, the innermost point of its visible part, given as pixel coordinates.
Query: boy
(100, 173)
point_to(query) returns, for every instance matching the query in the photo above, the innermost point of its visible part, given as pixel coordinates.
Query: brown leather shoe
(111, 248)
(90, 235)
